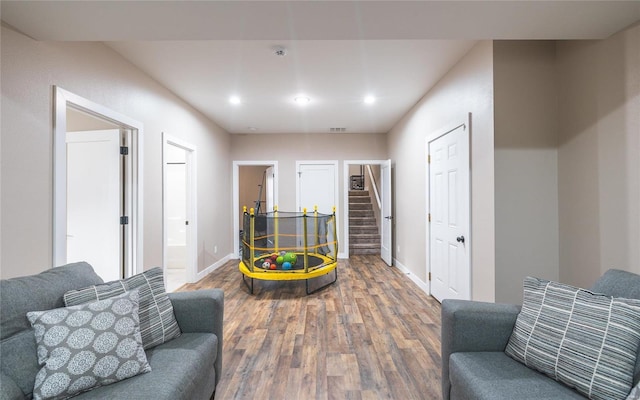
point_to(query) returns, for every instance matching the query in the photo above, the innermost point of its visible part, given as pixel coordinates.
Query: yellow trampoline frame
(327, 265)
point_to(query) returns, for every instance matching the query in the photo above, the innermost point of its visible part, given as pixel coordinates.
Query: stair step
(359, 199)
(360, 206)
(357, 252)
(362, 220)
(367, 229)
(364, 251)
(373, 239)
(364, 246)
(358, 193)
(361, 214)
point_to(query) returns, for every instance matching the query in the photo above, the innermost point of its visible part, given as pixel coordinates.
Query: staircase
(364, 237)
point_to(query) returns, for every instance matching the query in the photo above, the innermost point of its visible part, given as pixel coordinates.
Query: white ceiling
(337, 51)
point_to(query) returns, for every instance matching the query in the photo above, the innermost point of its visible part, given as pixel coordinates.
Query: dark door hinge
(124, 220)
(124, 150)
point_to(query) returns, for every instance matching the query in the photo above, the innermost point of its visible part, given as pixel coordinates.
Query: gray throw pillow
(86, 346)
(585, 340)
(157, 322)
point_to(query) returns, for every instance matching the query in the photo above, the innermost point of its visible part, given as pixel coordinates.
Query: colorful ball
(286, 265)
(266, 265)
(282, 253)
(272, 266)
(291, 257)
(280, 259)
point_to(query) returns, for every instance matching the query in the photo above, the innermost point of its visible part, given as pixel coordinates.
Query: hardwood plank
(372, 335)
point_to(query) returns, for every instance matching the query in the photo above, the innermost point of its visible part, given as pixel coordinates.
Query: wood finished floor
(372, 335)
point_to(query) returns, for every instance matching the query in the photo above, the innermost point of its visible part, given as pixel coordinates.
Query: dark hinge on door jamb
(429, 276)
(124, 220)
(124, 150)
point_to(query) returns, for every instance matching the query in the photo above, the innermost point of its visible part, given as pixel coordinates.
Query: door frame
(191, 167)
(345, 202)
(134, 194)
(235, 206)
(466, 124)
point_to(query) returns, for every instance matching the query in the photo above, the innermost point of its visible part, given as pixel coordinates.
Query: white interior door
(449, 196)
(269, 189)
(386, 239)
(94, 201)
(176, 211)
(180, 212)
(317, 187)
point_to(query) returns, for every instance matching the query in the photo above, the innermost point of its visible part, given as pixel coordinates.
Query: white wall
(526, 164)
(599, 156)
(289, 148)
(466, 88)
(92, 70)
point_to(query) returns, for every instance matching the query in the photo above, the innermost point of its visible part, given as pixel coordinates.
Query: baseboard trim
(422, 285)
(214, 266)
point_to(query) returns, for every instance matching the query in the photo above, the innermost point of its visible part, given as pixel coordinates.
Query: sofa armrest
(201, 311)
(9, 390)
(473, 326)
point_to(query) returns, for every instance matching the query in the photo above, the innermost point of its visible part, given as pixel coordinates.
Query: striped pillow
(157, 322)
(585, 340)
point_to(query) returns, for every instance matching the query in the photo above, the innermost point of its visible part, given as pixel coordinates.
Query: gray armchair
(475, 335)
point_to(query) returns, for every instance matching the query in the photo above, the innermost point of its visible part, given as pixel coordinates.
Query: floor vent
(337, 130)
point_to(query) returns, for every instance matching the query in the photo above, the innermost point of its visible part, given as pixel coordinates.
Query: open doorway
(179, 210)
(97, 175)
(367, 205)
(255, 185)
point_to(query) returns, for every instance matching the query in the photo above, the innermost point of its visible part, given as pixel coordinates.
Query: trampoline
(286, 246)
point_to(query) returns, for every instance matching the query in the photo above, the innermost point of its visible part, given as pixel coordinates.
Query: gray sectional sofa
(475, 335)
(187, 367)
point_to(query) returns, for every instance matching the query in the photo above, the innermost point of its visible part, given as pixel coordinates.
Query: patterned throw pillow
(587, 341)
(157, 322)
(86, 346)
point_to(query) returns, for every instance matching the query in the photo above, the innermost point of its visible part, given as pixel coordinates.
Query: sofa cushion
(181, 369)
(618, 283)
(36, 292)
(157, 321)
(585, 340)
(89, 345)
(495, 376)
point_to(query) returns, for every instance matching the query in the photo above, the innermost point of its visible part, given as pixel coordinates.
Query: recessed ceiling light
(234, 100)
(369, 100)
(301, 100)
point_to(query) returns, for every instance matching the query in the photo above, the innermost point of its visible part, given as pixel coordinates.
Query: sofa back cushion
(18, 296)
(617, 283)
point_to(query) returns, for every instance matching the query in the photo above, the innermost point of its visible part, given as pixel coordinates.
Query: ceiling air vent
(337, 130)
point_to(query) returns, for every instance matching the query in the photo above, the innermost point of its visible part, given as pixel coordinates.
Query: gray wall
(94, 71)
(567, 160)
(526, 164)
(599, 156)
(466, 88)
